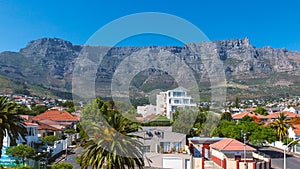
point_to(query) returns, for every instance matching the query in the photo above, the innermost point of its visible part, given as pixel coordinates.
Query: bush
(50, 139)
(24, 167)
(62, 166)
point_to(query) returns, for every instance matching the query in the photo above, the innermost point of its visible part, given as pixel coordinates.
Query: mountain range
(45, 68)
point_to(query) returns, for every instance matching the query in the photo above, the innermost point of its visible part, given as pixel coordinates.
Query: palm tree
(281, 126)
(11, 124)
(111, 146)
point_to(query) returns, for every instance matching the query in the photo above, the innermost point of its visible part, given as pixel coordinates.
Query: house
(201, 146)
(274, 116)
(31, 136)
(239, 116)
(57, 115)
(167, 102)
(163, 148)
(294, 133)
(46, 129)
(229, 153)
(30, 139)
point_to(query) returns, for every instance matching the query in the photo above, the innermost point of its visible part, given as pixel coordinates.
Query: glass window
(177, 146)
(186, 101)
(176, 101)
(165, 146)
(145, 149)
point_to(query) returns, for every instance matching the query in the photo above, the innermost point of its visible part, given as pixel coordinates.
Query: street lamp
(284, 152)
(245, 164)
(244, 137)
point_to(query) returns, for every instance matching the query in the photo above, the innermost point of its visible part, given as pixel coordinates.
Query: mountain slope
(250, 72)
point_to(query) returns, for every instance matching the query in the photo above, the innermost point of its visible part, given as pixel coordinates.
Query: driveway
(292, 162)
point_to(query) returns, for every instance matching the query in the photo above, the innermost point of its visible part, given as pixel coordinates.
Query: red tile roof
(276, 115)
(43, 126)
(55, 115)
(30, 124)
(243, 114)
(297, 132)
(229, 144)
(251, 109)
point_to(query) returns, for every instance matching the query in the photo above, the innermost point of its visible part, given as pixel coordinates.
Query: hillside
(250, 72)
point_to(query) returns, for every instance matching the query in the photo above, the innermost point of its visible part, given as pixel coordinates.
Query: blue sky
(266, 23)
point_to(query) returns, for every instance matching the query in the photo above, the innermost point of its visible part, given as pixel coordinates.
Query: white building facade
(167, 102)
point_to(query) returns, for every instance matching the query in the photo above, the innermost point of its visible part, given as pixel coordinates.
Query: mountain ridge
(262, 72)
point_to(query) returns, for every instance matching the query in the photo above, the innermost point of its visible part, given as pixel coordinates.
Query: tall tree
(261, 110)
(226, 116)
(110, 146)
(11, 124)
(21, 151)
(281, 126)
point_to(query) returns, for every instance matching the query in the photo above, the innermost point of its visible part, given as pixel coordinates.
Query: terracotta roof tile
(243, 114)
(55, 115)
(30, 124)
(276, 115)
(229, 144)
(43, 126)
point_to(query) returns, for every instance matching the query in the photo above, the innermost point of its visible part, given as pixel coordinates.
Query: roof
(277, 114)
(43, 126)
(204, 140)
(296, 129)
(243, 114)
(55, 115)
(251, 109)
(229, 144)
(179, 89)
(30, 124)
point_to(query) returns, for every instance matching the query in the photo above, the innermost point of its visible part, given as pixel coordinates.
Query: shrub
(50, 139)
(62, 166)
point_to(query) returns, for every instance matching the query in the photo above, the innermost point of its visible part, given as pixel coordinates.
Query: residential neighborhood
(162, 145)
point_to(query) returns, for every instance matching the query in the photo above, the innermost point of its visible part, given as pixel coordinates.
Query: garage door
(174, 163)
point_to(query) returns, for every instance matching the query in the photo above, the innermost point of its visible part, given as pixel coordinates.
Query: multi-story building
(167, 102)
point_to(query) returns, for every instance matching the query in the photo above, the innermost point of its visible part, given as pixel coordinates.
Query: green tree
(110, 146)
(247, 119)
(21, 151)
(226, 116)
(10, 122)
(262, 135)
(281, 126)
(62, 166)
(185, 121)
(38, 109)
(237, 102)
(50, 139)
(261, 110)
(288, 141)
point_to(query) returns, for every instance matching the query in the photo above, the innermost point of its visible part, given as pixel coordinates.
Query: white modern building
(167, 102)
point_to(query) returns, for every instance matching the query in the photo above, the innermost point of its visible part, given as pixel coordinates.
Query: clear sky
(267, 23)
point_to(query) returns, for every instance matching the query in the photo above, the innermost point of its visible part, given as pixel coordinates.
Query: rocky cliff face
(250, 71)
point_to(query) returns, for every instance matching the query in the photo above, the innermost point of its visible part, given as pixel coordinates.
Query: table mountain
(250, 72)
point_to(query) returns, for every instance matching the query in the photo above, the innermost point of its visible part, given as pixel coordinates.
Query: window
(176, 102)
(177, 146)
(186, 101)
(165, 146)
(146, 149)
